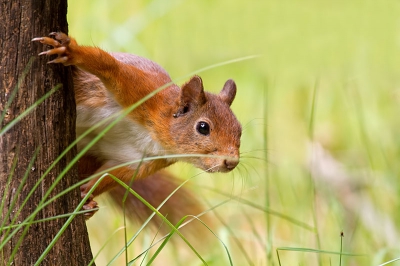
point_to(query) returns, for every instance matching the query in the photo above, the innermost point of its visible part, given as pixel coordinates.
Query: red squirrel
(176, 120)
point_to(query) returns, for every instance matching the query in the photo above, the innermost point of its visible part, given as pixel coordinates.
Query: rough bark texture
(50, 127)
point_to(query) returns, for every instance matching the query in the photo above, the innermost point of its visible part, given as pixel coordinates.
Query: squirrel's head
(203, 123)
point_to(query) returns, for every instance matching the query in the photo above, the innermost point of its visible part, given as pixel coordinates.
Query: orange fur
(176, 120)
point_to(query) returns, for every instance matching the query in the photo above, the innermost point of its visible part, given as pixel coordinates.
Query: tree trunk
(47, 130)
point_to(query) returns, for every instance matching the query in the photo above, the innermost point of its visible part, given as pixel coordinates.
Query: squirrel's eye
(203, 128)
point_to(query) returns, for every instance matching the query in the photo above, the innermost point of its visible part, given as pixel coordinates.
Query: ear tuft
(228, 92)
(192, 93)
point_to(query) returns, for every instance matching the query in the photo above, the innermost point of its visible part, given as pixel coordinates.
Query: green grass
(326, 86)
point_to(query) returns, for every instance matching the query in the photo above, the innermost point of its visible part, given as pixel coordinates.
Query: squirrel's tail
(155, 189)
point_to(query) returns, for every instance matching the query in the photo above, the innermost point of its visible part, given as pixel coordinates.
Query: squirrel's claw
(58, 51)
(90, 204)
(62, 60)
(47, 40)
(61, 47)
(37, 39)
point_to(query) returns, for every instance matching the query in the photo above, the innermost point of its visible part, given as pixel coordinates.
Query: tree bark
(48, 129)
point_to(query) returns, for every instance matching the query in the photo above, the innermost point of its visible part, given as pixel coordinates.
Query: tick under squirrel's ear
(228, 92)
(192, 95)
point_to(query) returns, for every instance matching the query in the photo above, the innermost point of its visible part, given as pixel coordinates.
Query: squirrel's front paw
(61, 47)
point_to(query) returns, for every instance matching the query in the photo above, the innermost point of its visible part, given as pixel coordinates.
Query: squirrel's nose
(231, 163)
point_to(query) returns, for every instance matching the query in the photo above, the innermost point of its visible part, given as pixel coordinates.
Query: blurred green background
(319, 105)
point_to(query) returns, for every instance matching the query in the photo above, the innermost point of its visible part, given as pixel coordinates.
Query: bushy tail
(155, 189)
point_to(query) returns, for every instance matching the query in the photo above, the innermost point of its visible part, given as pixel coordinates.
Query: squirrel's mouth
(222, 166)
(214, 163)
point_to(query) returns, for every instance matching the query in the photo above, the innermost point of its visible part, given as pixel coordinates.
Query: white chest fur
(126, 141)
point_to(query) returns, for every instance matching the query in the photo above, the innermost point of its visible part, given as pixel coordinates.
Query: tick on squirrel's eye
(203, 128)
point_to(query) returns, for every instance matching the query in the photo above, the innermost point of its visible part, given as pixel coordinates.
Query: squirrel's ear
(192, 93)
(228, 92)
